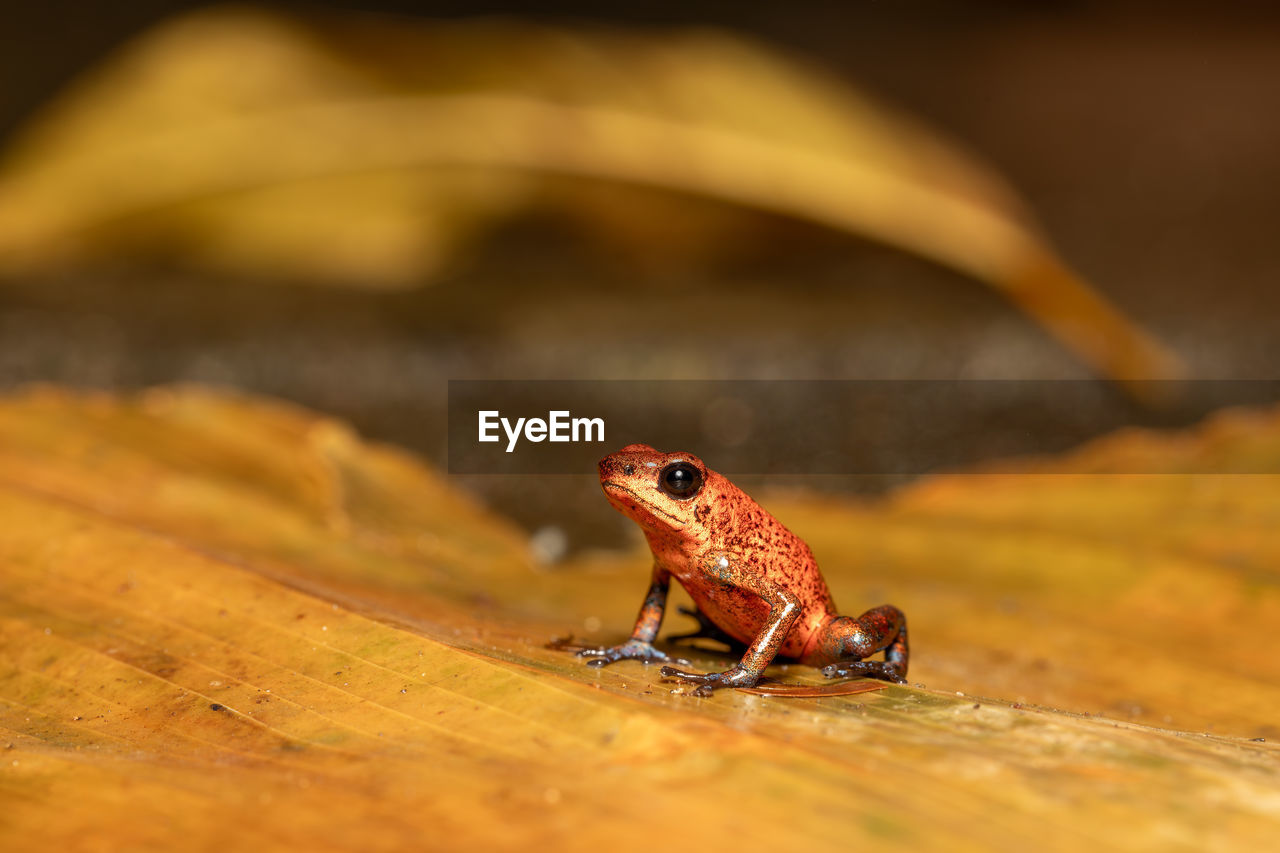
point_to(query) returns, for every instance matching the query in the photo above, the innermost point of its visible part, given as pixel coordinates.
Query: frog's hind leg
(848, 641)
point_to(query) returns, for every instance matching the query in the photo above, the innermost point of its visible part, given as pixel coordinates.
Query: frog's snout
(612, 467)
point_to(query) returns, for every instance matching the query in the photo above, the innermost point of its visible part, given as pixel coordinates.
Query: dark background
(1143, 135)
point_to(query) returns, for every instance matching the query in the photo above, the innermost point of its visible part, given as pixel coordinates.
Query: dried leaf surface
(226, 621)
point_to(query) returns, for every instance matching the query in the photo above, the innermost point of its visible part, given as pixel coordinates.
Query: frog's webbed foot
(710, 681)
(707, 630)
(630, 650)
(865, 669)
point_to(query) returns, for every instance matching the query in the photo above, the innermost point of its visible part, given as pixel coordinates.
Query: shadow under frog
(755, 583)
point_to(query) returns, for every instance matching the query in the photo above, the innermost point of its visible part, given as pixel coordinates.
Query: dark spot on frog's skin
(702, 513)
(216, 707)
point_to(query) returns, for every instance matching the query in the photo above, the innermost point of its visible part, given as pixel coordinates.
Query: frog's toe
(707, 682)
(599, 657)
(627, 651)
(712, 681)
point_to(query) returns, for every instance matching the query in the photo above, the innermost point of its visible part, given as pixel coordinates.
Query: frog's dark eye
(628, 469)
(681, 480)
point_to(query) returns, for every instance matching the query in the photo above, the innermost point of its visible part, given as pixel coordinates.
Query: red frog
(753, 580)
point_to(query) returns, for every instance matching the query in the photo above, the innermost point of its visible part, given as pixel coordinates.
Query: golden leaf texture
(367, 153)
(229, 623)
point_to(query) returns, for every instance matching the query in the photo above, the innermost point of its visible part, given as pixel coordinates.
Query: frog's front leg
(640, 646)
(784, 610)
(848, 641)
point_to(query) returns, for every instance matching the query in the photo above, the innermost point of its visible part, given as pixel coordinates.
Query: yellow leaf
(226, 622)
(366, 153)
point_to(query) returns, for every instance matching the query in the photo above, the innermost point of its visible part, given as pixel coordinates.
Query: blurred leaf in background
(369, 154)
